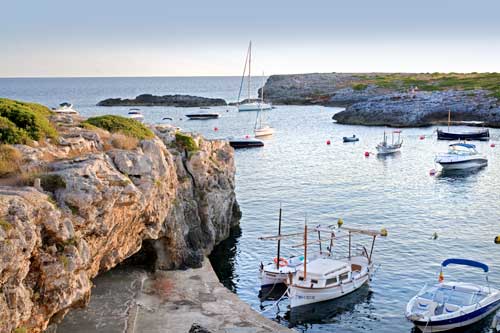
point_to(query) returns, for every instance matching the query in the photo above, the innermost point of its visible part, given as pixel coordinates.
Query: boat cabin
(323, 273)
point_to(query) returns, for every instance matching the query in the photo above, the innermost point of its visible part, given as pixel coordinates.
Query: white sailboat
(250, 105)
(261, 129)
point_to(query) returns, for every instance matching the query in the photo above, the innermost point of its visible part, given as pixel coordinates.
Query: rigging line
(243, 76)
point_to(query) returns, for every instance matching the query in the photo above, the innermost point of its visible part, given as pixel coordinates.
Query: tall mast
(305, 248)
(243, 77)
(249, 67)
(279, 241)
(449, 119)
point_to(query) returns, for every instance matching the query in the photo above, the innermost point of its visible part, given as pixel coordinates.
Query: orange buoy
(216, 129)
(432, 172)
(328, 142)
(492, 145)
(367, 153)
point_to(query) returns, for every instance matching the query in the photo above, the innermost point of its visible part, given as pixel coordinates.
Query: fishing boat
(250, 105)
(325, 277)
(247, 142)
(65, 108)
(461, 156)
(482, 134)
(136, 115)
(390, 148)
(202, 116)
(352, 138)
(449, 305)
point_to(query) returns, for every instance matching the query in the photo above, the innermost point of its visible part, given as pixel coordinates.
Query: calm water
(297, 169)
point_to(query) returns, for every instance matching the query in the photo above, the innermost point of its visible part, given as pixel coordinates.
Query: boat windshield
(452, 296)
(457, 150)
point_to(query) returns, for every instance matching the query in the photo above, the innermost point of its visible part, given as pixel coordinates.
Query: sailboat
(262, 129)
(249, 105)
(482, 135)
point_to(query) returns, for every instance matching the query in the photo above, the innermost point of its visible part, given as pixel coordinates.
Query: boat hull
(386, 151)
(482, 135)
(254, 107)
(202, 116)
(266, 131)
(349, 139)
(239, 144)
(462, 165)
(300, 296)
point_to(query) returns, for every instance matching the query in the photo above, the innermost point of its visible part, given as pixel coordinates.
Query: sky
(60, 38)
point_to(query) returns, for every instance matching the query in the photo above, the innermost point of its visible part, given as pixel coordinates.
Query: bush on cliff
(186, 142)
(10, 159)
(20, 122)
(118, 124)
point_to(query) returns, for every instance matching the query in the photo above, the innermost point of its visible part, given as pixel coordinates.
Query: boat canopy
(465, 262)
(465, 145)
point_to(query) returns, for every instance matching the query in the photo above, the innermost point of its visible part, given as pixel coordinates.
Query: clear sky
(210, 37)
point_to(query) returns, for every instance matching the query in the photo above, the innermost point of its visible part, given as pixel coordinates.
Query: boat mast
(449, 119)
(249, 67)
(243, 76)
(305, 248)
(279, 241)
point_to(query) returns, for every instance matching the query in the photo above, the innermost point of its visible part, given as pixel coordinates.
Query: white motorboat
(385, 147)
(461, 156)
(65, 108)
(326, 278)
(250, 105)
(136, 115)
(449, 305)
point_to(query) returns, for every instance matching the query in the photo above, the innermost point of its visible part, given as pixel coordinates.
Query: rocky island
(79, 196)
(394, 99)
(166, 100)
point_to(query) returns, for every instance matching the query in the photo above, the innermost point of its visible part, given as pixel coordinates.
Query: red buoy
(422, 137)
(247, 136)
(492, 145)
(367, 153)
(216, 129)
(328, 142)
(432, 172)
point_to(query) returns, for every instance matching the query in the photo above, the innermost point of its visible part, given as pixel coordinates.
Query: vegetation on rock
(118, 124)
(21, 122)
(186, 142)
(10, 159)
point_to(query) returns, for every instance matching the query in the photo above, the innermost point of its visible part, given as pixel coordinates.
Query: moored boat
(352, 138)
(202, 116)
(65, 108)
(450, 305)
(385, 147)
(238, 143)
(136, 115)
(482, 134)
(461, 156)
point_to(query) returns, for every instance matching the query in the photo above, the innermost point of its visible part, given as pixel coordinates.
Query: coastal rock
(423, 109)
(166, 100)
(97, 207)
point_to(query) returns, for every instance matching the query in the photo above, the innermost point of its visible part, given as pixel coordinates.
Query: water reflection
(460, 174)
(223, 259)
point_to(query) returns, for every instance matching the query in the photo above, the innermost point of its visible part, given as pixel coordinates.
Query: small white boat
(461, 156)
(449, 305)
(352, 138)
(65, 108)
(136, 115)
(326, 278)
(261, 129)
(251, 105)
(390, 148)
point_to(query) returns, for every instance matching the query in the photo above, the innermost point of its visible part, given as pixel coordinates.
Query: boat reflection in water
(459, 174)
(328, 311)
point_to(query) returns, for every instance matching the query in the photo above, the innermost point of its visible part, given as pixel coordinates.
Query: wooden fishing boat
(481, 135)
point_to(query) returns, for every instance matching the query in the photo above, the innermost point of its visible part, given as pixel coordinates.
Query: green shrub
(186, 142)
(51, 183)
(30, 120)
(359, 86)
(10, 159)
(21, 330)
(118, 124)
(5, 225)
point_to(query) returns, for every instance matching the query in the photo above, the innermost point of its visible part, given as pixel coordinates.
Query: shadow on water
(273, 292)
(223, 259)
(459, 174)
(329, 311)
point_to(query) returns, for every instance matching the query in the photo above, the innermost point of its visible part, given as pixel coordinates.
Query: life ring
(283, 262)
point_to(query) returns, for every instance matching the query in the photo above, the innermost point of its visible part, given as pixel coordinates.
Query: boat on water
(250, 105)
(202, 116)
(352, 138)
(461, 156)
(450, 305)
(65, 108)
(247, 142)
(136, 115)
(481, 135)
(261, 128)
(385, 147)
(325, 277)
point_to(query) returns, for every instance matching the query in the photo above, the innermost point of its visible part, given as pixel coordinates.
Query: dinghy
(352, 138)
(238, 143)
(449, 305)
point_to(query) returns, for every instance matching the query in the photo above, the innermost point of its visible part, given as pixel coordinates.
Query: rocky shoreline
(166, 100)
(85, 199)
(400, 100)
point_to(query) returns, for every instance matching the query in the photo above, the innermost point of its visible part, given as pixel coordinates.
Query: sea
(429, 217)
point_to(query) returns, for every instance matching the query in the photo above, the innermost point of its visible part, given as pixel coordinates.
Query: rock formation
(167, 100)
(80, 207)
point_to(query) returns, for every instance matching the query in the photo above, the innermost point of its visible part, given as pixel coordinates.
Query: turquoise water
(297, 169)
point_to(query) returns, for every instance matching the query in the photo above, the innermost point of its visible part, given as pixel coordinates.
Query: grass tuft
(118, 124)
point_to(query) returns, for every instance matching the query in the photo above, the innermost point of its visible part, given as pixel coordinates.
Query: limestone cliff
(82, 206)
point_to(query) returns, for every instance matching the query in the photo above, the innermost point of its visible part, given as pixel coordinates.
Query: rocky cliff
(80, 206)
(394, 99)
(166, 100)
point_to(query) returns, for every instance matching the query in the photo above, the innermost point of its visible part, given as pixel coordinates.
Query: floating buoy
(384, 232)
(340, 222)
(492, 145)
(216, 129)
(422, 137)
(432, 172)
(441, 277)
(435, 235)
(247, 136)
(367, 153)
(328, 142)
(497, 240)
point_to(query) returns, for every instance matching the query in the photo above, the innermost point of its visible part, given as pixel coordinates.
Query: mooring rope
(275, 303)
